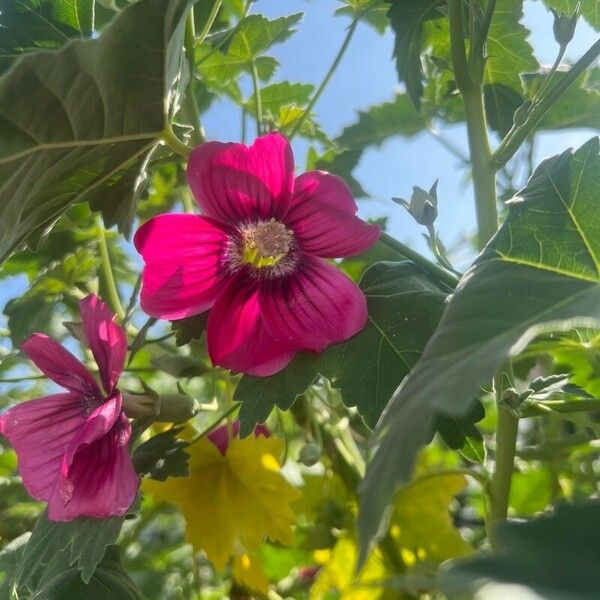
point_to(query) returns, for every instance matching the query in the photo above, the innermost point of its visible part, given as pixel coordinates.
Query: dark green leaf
(404, 308)
(163, 456)
(81, 543)
(407, 19)
(26, 316)
(553, 557)
(27, 25)
(540, 272)
(97, 119)
(109, 582)
(191, 328)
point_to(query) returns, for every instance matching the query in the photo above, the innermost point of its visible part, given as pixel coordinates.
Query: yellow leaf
(248, 572)
(338, 574)
(421, 523)
(232, 502)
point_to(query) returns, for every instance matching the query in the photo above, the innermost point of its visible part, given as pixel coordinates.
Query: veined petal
(184, 269)
(313, 307)
(60, 365)
(237, 183)
(97, 477)
(40, 432)
(237, 337)
(107, 340)
(323, 217)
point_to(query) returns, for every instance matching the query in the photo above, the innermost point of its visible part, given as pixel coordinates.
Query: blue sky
(367, 76)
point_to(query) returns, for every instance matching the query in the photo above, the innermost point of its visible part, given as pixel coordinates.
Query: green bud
(140, 406)
(522, 114)
(422, 205)
(176, 408)
(310, 454)
(564, 26)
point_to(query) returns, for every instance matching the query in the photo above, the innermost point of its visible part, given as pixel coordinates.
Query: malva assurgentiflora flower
(73, 447)
(257, 256)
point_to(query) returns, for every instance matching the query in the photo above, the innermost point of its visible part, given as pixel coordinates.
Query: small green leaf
(555, 556)
(162, 456)
(276, 96)
(407, 19)
(540, 272)
(191, 328)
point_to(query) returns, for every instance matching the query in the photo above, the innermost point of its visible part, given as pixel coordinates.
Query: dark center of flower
(266, 243)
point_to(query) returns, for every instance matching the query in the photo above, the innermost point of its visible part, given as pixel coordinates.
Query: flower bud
(310, 454)
(422, 205)
(564, 26)
(175, 408)
(141, 406)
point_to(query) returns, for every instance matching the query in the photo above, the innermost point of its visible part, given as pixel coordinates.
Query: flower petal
(184, 269)
(314, 307)
(60, 365)
(220, 435)
(97, 477)
(40, 432)
(237, 337)
(323, 217)
(106, 339)
(235, 182)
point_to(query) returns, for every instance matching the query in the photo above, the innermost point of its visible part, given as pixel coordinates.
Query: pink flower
(73, 446)
(257, 256)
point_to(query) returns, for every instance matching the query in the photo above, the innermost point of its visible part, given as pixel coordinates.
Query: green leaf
(407, 19)
(27, 25)
(589, 9)
(191, 328)
(162, 456)
(80, 543)
(508, 52)
(252, 39)
(97, 121)
(540, 272)
(274, 97)
(404, 308)
(109, 582)
(554, 557)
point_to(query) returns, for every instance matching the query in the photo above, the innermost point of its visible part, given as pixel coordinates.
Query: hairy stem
(440, 273)
(332, 69)
(517, 135)
(190, 104)
(107, 273)
(171, 140)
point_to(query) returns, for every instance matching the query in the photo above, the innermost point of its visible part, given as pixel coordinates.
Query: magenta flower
(73, 446)
(257, 256)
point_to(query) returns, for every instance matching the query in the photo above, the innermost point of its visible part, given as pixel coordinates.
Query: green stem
(438, 272)
(21, 378)
(224, 415)
(209, 23)
(175, 143)
(506, 444)
(133, 300)
(484, 180)
(190, 104)
(517, 135)
(257, 97)
(328, 76)
(107, 273)
(549, 76)
(535, 409)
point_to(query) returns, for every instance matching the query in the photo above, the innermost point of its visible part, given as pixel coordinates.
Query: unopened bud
(564, 26)
(522, 114)
(310, 454)
(422, 205)
(141, 406)
(176, 408)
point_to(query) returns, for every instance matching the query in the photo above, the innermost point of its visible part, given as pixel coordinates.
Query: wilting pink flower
(257, 256)
(73, 446)
(220, 436)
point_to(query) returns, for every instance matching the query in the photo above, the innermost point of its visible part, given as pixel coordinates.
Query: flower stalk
(107, 273)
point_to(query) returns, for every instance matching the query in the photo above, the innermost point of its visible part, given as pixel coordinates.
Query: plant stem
(227, 413)
(107, 273)
(535, 409)
(484, 180)
(506, 443)
(175, 143)
(440, 273)
(328, 76)
(209, 23)
(517, 135)
(190, 104)
(257, 97)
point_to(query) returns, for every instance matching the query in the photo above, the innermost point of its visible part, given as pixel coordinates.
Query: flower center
(266, 243)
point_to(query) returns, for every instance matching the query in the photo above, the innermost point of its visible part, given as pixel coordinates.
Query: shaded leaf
(191, 328)
(553, 557)
(53, 158)
(527, 280)
(162, 456)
